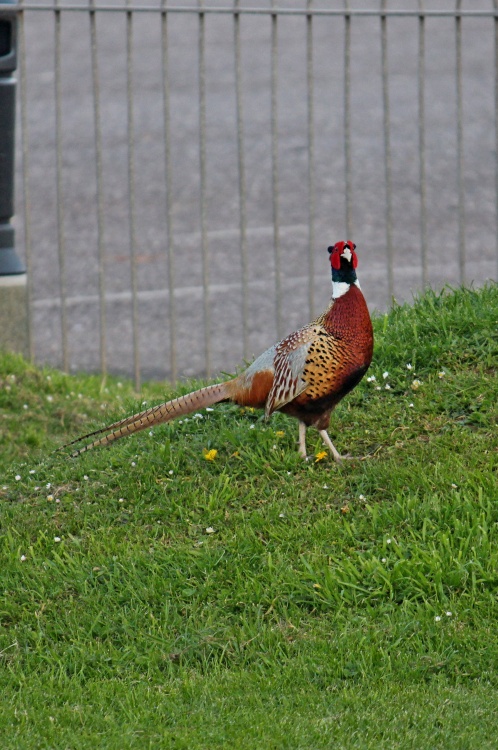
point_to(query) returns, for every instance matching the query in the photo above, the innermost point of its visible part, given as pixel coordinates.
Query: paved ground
(79, 217)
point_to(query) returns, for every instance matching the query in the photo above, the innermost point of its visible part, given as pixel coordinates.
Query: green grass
(151, 598)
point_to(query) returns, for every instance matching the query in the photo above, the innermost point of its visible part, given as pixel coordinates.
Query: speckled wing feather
(290, 359)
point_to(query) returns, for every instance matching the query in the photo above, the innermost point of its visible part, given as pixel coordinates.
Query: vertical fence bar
(170, 258)
(242, 182)
(98, 177)
(387, 150)
(460, 164)
(421, 142)
(25, 179)
(347, 123)
(311, 161)
(496, 132)
(275, 180)
(61, 245)
(203, 186)
(131, 196)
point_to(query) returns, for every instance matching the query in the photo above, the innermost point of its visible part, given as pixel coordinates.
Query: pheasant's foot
(328, 442)
(330, 445)
(302, 440)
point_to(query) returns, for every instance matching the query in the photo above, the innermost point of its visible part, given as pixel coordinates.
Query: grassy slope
(256, 600)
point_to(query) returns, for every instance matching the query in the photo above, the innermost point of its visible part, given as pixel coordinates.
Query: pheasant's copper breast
(338, 356)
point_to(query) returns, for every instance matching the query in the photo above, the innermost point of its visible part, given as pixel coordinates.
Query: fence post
(13, 290)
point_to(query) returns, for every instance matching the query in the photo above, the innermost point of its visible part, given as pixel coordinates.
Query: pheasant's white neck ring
(339, 288)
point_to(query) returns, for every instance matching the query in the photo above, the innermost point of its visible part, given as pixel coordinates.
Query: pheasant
(305, 375)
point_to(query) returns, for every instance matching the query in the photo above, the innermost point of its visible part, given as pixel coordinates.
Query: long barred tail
(177, 407)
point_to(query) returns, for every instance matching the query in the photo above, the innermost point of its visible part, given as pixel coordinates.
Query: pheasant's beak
(346, 253)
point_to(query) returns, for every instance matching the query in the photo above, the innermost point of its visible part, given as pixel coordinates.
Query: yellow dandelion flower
(280, 433)
(320, 456)
(211, 454)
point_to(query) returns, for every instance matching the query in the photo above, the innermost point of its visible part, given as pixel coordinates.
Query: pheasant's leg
(302, 439)
(328, 442)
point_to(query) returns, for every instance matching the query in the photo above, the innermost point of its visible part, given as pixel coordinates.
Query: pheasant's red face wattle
(343, 250)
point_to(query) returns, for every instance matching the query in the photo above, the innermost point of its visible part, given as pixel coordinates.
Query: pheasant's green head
(343, 260)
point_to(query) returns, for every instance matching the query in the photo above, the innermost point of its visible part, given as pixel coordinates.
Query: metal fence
(183, 168)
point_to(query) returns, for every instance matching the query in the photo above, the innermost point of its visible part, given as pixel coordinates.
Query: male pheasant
(304, 375)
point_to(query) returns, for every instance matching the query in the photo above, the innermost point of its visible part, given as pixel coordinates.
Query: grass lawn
(153, 598)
